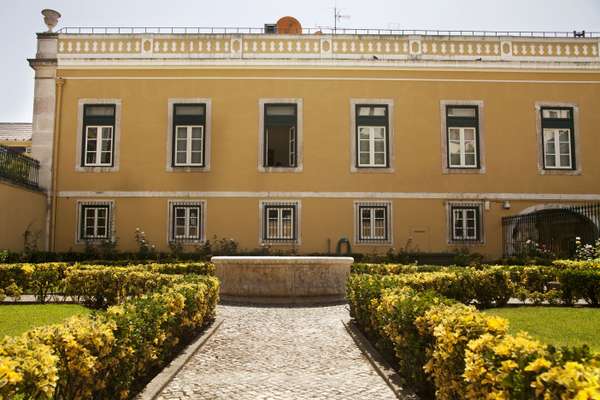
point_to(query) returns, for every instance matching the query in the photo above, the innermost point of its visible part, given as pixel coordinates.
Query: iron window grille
(372, 138)
(189, 121)
(280, 132)
(465, 223)
(553, 228)
(95, 221)
(462, 136)
(558, 139)
(280, 222)
(98, 135)
(373, 223)
(186, 222)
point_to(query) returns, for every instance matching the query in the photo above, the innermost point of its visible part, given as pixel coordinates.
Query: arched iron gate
(553, 228)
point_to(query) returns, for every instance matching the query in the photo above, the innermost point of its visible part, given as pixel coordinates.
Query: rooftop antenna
(337, 16)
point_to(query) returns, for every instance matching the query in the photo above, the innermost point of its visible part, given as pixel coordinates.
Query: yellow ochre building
(302, 140)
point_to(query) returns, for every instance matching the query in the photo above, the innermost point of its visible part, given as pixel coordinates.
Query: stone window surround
(261, 217)
(116, 136)
(480, 134)
(540, 142)
(191, 202)
(449, 226)
(390, 147)
(111, 218)
(207, 134)
(299, 134)
(390, 226)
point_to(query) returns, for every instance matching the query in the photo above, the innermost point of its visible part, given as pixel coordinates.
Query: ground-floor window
(186, 221)
(465, 222)
(373, 222)
(95, 221)
(279, 222)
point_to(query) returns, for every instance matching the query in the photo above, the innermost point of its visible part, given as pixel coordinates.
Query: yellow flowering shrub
(449, 329)
(572, 380)
(109, 354)
(28, 369)
(503, 366)
(457, 352)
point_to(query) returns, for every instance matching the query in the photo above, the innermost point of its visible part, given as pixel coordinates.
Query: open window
(280, 136)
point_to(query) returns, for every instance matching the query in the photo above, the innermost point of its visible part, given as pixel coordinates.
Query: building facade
(16, 136)
(422, 142)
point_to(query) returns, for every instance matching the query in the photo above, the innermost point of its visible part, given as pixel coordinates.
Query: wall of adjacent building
(234, 185)
(21, 210)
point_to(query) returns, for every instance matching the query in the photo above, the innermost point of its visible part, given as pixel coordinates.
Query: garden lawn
(559, 326)
(18, 318)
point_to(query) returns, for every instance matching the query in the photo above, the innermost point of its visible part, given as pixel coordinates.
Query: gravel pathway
(279, 353)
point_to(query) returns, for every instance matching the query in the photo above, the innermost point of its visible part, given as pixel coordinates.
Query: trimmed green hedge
(108, 355)
(98, 286)
(452, 351)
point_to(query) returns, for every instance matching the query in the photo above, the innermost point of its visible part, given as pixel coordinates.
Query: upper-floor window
(188, 135)
(98, 134)
(372, 140)
(462, 124)
(558, 138)
(280, 135)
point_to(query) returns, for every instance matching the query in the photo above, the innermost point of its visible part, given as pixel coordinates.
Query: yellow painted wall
(511, 149)
(21, 209)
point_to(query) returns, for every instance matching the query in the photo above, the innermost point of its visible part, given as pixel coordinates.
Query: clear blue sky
(21, 19)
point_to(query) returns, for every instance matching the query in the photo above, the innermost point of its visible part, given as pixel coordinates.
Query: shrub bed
(494, 285)
(108, 354)
(97, 285)
(446, 348)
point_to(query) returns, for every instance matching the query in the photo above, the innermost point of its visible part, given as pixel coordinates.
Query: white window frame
(389, 142)
(81, 136)
(557, 154)
(574, 136)
(462, 147)
(171, 165)
(264, 206)
(298, 137)
(371, 140)
(188, 152)
(479, 138)
(171, 236)
(81, 221)
(98, 152)
(455, 208)
(358, 206)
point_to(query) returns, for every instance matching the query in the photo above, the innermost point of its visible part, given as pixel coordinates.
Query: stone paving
(279, 353)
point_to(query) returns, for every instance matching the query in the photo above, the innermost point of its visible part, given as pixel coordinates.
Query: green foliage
(459, 352)
(108, 355)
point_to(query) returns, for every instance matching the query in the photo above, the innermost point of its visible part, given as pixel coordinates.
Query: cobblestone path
(279, 353)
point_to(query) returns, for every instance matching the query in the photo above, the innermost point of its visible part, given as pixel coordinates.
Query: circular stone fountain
(283, 280)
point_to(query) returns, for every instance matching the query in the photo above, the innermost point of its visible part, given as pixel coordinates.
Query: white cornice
(337, 195)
